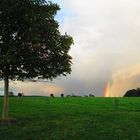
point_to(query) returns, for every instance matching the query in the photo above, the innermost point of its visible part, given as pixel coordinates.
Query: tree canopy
(133, 93)
(31, 45)
(30, 42)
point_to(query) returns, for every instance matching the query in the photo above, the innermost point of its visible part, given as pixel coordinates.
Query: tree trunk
(6, 97)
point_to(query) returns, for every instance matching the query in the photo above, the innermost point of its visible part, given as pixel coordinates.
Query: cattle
(91, 95)
(68, 96)
(51, 95)
(11, 93)
(20, 95)
(62, 95)
(85, 95)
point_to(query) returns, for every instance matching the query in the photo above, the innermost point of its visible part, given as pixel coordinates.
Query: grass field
(87, 118)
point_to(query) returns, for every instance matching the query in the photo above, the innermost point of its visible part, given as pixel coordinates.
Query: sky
(105, 51)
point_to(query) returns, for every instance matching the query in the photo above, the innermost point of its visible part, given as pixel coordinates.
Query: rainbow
(106, 90)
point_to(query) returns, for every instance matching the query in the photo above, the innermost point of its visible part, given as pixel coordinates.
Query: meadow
(73, 118)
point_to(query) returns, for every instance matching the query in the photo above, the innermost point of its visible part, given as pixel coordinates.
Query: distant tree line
(133, 93)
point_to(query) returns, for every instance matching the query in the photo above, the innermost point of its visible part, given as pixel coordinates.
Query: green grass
(40, 118)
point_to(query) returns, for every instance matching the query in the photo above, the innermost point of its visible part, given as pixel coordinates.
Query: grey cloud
(106, 35)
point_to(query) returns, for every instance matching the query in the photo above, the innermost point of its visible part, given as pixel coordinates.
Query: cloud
(125, 80)
(36, 88)
(33, 88)
(106, 35)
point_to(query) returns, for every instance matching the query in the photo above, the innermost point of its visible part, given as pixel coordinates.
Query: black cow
(91, 95)
(20, 95)
(51, 95)
(62, 95)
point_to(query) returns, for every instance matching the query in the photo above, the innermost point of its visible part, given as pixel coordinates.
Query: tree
(133, 93)
(31, 45)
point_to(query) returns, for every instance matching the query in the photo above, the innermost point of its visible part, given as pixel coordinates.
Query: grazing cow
(68, 96)
(20, 95)
(51, 95)
(85, 95)
(91, 95)
(11, 93)
(62, 95)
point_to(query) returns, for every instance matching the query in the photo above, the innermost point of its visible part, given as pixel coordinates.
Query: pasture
(73, 118)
